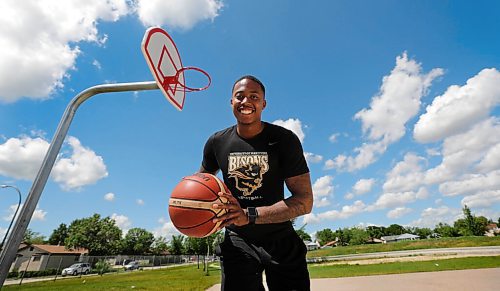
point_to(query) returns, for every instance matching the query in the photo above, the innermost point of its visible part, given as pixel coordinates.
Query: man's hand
(235, 214)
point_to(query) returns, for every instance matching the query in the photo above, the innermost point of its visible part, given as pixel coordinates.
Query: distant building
(492, 230)
(42, 257)
(401, 237)
(311, 245)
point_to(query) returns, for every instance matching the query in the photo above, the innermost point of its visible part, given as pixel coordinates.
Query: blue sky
(396, 104)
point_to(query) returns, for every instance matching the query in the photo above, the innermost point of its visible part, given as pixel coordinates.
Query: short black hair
(253, 78)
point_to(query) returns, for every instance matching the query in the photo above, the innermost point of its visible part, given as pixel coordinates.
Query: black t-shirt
(255, 170)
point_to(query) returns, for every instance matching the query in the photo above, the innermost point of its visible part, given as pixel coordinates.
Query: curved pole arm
(8, 253)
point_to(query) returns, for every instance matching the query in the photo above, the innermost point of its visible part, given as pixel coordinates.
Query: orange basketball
(190, 205)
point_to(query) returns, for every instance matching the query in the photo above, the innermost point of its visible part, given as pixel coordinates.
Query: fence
(52, 265)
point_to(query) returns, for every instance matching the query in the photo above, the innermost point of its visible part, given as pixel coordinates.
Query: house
(311, 245)
(374, 240)
(37, 257)
(401, 237)
(330, 244)
(492, 230)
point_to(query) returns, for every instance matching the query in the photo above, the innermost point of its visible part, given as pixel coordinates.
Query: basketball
(190, 205)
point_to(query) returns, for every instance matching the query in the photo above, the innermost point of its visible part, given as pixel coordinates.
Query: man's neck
(249, 130)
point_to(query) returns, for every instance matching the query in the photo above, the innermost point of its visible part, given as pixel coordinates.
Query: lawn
(176, 278)
(456, 242)
(345, 270)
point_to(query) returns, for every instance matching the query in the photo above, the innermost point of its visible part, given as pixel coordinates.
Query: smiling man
(257, 159)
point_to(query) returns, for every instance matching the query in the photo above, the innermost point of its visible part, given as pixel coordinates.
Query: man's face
(248, 102)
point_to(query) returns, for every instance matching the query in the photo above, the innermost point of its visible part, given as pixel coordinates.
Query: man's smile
(246, 110)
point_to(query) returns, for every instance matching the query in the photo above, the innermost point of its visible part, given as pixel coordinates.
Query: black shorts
(283, 260)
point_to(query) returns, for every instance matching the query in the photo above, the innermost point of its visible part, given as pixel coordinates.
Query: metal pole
(15, 213)
(9, 251)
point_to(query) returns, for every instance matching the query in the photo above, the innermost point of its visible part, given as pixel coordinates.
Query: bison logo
(247, 169)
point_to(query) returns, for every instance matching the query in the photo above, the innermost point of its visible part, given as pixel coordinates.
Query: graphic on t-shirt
(248, 169)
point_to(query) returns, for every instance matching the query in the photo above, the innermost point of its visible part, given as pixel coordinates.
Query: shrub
(102, 267)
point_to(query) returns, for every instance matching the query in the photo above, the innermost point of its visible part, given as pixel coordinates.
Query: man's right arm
(203, 170)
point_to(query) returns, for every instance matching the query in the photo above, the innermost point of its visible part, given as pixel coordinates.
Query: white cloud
(491, 159)
(395, 104)
(313, 158)
(96, 64)
(333, 138)
(432, 216)
(21, 158)
(394, 199)
(406, 175)
(363, 186)
(471, 183)
(84, 167)
(109, 197)
(322, 189)
(294, 125)
(38, 214)
(37, 41)
(471, 152)
(166, 229)
(346, 212)
(398, 212)
(459, 107)
(139, 202)
(122, 221)
(482, 199)
(177, 14)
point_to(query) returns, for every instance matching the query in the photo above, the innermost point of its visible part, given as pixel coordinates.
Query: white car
(75, 269)
(133, 265)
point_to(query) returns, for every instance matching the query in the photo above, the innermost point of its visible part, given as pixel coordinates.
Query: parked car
(132, 265)
(75, 269)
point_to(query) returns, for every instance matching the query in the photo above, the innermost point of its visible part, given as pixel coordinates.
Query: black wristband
(252, 214)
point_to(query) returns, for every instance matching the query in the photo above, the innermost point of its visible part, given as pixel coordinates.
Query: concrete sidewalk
(466, 280)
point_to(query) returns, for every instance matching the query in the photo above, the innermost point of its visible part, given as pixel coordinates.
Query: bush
(32, 274)
(102, 267)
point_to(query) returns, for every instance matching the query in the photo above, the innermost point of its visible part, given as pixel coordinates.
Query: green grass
(178, 278)
(473, 241)
(344, 270)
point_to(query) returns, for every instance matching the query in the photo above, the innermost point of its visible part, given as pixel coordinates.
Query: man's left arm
(298, 204)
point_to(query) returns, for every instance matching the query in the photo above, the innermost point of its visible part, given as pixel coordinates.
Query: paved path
(466, 280)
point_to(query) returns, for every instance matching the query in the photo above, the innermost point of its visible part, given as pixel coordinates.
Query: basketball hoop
(174, 80)
(165, 63)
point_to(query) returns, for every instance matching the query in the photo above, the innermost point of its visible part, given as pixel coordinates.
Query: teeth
(246, 110)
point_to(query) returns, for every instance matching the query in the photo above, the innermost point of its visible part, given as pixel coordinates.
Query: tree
(301, 232)
(159, 246)
(176, 245)
(324, 236)
(102, 267)
(31, 237)
(470, 224)
(422, 232)
(445, 230)
(376, 231)
(359, 236)
(100, 236)
(137, 241)
(59, 235)
(395, 229)
(343, 236)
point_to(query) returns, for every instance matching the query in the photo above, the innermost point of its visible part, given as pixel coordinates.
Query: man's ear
(231, 101)
(264, 104)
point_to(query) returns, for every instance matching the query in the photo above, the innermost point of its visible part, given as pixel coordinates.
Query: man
(256, 159)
